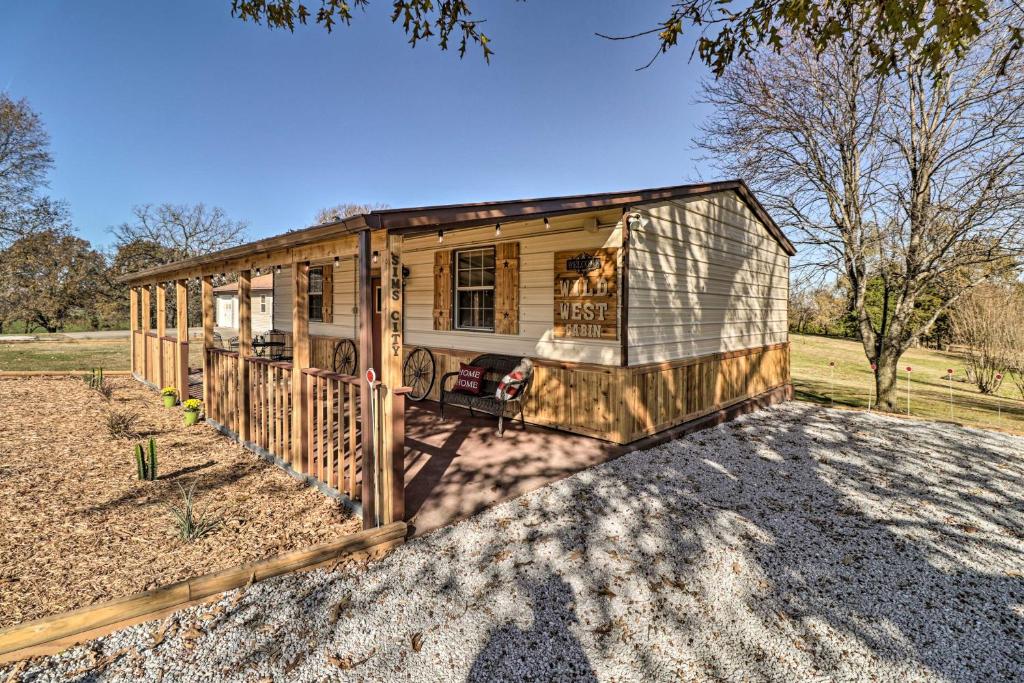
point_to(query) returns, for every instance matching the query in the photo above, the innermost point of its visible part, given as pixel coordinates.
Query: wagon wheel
(345, 357)
(418, 373)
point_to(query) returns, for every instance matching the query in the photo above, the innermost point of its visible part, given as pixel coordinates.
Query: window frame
(457, 288)
(318, 317)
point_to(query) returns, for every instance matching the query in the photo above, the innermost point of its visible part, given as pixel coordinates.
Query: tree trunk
(886, 382)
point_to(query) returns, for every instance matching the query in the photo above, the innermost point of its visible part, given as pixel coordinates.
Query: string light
(279, 270)
(337, 260)
(440, 236)
(375, 256)
(497, 230)
(547, 224)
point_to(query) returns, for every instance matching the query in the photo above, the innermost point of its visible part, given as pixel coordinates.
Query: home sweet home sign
(587, 294)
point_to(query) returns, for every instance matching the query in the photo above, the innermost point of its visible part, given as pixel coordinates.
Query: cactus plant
(152, 459)
(145, 460)
(140, 461)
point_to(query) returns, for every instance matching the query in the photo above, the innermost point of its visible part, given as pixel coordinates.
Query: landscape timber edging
(68, 624)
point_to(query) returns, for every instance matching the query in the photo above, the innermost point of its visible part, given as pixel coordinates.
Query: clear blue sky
(179, 102)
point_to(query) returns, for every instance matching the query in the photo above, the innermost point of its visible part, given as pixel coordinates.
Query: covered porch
(546, 280)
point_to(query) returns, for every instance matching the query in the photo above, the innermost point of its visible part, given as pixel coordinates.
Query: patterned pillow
(509, 386)
(470, 379)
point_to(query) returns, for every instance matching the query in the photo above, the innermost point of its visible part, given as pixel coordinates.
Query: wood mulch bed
(78, 525)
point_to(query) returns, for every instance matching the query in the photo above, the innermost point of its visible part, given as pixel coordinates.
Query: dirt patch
(79, 527)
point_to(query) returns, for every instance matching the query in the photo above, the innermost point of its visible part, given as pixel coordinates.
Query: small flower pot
(191, 417)
(170, 401)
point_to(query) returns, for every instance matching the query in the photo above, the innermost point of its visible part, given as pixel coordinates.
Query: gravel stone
(794, 544)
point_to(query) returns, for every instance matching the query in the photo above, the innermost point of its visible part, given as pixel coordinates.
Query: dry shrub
(121, 424)
(190, 523)
(989, 323)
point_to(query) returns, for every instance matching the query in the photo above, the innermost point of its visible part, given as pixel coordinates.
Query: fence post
(206, 293)
(244, 351)
(147, 317)
(300, 360)
(133, 324)
(365, 304)
(161, 332)
(181, 299)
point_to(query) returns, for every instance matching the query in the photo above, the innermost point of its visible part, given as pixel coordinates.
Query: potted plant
(170, 395)
(192, 407)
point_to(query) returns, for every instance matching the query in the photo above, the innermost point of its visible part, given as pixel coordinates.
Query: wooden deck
(461, 466)
(457, 467)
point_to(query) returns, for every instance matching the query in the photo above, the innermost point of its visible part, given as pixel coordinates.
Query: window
(263, 304)
(316, 294)
(474, 289)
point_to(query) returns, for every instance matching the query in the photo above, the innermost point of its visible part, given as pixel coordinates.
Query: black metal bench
(487, 401)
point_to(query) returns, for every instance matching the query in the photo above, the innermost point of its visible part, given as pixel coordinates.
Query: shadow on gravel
(548, 650)
(771, 546)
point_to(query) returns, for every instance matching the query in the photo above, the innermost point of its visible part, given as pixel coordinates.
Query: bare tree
(981, 325)
(24, 163)
(916, 182)
(340, 211)
(181, 230)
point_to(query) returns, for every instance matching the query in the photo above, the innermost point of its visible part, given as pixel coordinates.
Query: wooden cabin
(641, 311)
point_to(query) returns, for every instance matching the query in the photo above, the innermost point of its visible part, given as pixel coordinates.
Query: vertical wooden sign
(587, 294)
(392, 452)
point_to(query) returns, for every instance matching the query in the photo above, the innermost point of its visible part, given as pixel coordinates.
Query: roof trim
(428, 218)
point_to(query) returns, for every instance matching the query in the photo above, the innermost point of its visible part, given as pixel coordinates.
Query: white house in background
(262, 297)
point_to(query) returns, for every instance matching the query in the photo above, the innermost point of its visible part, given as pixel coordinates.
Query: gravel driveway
(797, 543)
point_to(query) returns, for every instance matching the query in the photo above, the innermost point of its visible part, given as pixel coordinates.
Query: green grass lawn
(75, 355)
(813, 380)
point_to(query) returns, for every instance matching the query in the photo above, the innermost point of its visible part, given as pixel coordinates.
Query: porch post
(300, 361)
(364, 334)
(244, 351)
(181, 302)
(147, 303)
(207, 298)
(161, 332)
(392, 457)
(133, 323)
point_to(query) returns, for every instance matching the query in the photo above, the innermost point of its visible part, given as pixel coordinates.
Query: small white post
(832, 381)
(871, 385)
(909, 370)
(949, 380)
(999, 403)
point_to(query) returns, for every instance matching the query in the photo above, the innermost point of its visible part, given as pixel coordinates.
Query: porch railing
(222, 398)
(334, 436)
(270, 405)
(160, 361)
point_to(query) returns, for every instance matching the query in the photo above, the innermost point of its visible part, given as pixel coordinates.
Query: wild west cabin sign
(587, 294)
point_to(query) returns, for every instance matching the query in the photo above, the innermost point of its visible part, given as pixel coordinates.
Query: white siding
(537, 249)
(225, 306)
(262, 321)
(228, 318)
(344, 324)
(705, 276)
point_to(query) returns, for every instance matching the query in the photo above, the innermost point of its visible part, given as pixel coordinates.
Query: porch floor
(460, 466)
